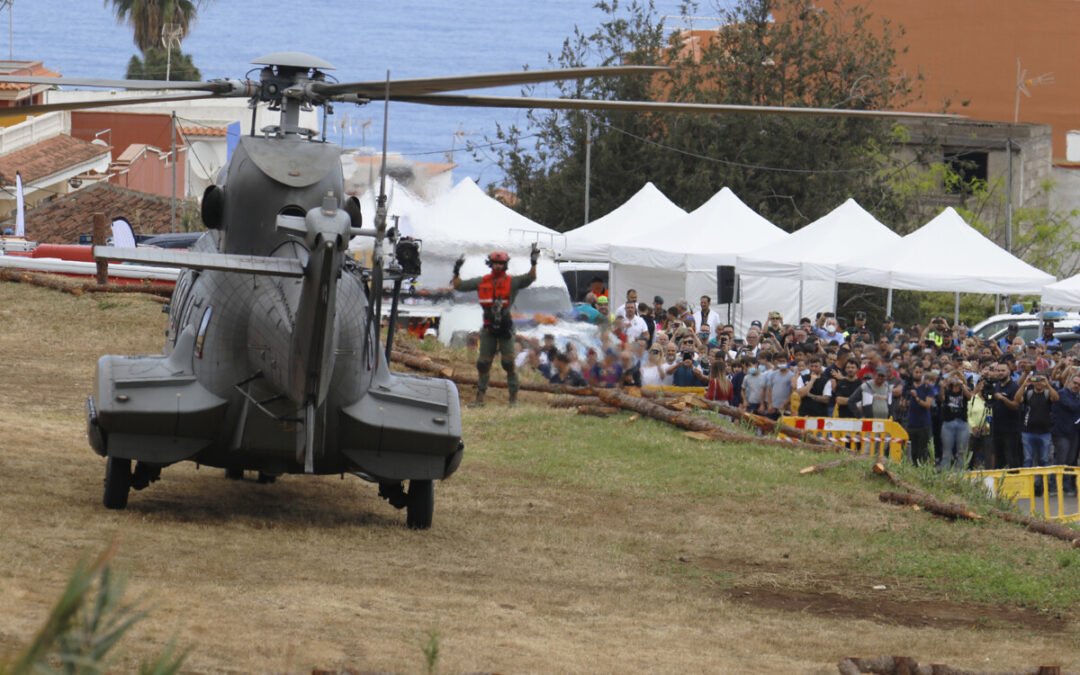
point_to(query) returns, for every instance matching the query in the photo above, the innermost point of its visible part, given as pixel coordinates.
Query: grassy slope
(563, 544)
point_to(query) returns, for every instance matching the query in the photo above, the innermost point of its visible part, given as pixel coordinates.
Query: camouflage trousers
(489, 344)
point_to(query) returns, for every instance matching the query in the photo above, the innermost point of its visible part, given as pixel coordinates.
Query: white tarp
(946, 254)
(814, 251)
(643, 212)
(1064, 293)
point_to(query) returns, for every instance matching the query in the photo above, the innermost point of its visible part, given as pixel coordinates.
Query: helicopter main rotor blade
(464, 100)
(98, 103)
(433, 85)
(112, 84)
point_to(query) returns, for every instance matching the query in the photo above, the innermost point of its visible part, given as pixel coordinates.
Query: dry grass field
(564, 544)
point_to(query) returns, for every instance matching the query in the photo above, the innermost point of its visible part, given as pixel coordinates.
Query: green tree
(155, 64)
(147, 17)
(765, 52)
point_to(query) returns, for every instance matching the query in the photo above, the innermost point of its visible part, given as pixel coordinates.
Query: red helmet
(498, 257)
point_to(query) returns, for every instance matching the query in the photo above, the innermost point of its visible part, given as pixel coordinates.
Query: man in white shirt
(706, 318)
(631, 296)
(635, 325)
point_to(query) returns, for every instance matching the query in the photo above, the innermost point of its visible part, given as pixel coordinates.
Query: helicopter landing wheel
(420, 505)
(117, 482)
(234, 473)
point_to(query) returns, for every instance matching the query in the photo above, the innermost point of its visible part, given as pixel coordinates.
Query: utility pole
(172, 202)
(1008, 195)
(588, 162)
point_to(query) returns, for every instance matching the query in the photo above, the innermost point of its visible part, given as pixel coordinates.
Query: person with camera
(813, 401)
(496, 292)
(919, 396)
(1063, 431)
(688, 373)
(999, 392)
(841, 389)
(1037, 398)
(955, 430)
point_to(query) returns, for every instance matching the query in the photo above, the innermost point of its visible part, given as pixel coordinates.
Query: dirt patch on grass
(855, 597)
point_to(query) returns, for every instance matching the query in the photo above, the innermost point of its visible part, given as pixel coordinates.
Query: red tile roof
(204, 131)
(62, 220)
(24, 68)
(48, 157)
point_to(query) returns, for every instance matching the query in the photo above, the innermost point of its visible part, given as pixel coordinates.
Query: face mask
(895, 364)
(753, 371)
(830, 329)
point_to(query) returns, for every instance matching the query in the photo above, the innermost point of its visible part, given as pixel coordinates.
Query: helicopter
(272, 360)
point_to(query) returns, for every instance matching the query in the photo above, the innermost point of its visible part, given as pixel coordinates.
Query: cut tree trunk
(818, 468)
(767, 425)
(683, 420)
(598, 410)
(930, 504)
(423, 363)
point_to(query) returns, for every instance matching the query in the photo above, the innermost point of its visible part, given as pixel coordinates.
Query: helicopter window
(203, 325)
(292, 210)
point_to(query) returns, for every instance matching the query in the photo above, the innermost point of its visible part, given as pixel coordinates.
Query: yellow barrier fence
(874, 437)
(1018, 485)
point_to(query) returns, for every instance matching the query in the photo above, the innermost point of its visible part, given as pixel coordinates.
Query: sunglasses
(654, 351)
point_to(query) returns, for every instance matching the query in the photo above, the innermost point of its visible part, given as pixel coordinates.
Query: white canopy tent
(813, 252)
(400, 202)
(467, 222)
(679, 259)
(1064, 293)
(643, 212)
(946, 254)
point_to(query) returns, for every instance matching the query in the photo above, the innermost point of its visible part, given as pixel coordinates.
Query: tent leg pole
(956, 309)
(801, 298)
(888, 303)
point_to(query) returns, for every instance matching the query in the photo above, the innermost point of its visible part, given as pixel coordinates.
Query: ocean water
(361, 38)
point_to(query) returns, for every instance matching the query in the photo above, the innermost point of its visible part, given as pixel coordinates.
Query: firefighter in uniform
(497, 292)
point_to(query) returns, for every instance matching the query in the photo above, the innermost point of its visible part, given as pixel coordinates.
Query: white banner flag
(20, 210)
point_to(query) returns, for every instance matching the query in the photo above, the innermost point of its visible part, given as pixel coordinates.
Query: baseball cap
(881, 370)
(755, 324)
(1013, 327)
(860, 314)
(603, 300)
(658, 300)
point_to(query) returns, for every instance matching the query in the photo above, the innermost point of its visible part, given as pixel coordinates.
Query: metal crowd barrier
(1018, 485)
(874, 437)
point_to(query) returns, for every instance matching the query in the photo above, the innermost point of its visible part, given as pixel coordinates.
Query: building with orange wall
(967, 51)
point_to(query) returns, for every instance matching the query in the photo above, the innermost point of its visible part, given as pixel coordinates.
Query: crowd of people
(981, 403)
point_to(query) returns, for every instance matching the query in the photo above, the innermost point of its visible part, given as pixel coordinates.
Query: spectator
(688, 372)
(706, 319)
(631, 374)
(738, 372)
(635, 325)
(564, 374)
(1005, 341)
(753, 386)
(608, 372)
(652, 372)
(874, 397)
(919, 395)
(587, 310)
(778, 388)
(671, 362)
(597, 288)
(719, 388)
(631, 297)
(955, 430)
(658, 308)
(774, 327)
(999, 391)
(813, 402)
(841, 389)
(1063, 431)
(1036, 398)
(1047, 339)
(889, 329)
(645, 312)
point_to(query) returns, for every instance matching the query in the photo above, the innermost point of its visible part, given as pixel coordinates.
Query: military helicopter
(272, 362)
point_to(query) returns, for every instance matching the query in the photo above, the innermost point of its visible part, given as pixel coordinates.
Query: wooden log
(158, 290)
(422, 363)
(882, 470)
(598, 410)
(931, 504)
(543, 387)
(683, 420)
(567, 401)
(1047, 527)
(765, 424)
(818, 468)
